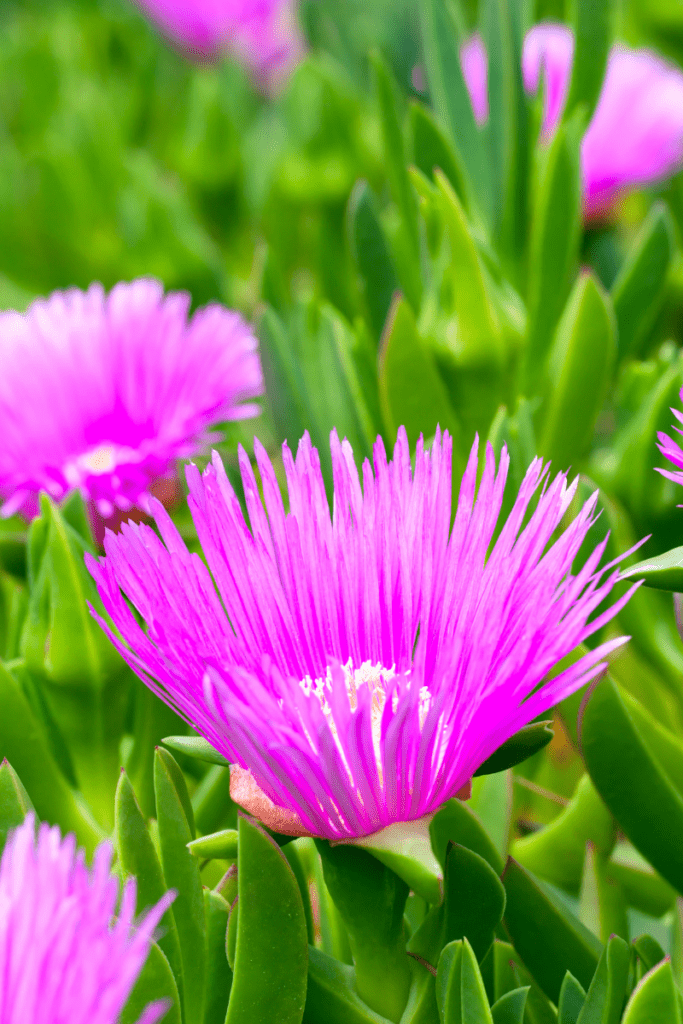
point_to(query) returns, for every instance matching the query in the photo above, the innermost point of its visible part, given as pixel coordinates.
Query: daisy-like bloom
(263, 34)
(672, 451)
(357, 667)
(68, 950)
(635, 137)
(104, 393)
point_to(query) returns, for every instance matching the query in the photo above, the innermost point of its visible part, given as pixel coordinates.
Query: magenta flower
(671, 451)
(66, 952)
(635, 137)
(104, 393)
(358, 667)
(263, 34)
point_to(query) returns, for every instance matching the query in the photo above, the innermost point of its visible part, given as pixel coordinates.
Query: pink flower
(66, 952)
(635, 137)
(358, 667)
(671, 451)
(263, 34)
(104, 393)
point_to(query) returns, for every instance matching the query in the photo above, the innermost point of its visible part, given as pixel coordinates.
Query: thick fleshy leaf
(371, 254)
(549, 939)
(431, 149)
(460, 993)
(271, 954)
(284, 383)
(492, 802)
(556, 852)
(639, 289)
(181, 872)
(649, 951)
(509, 1009)
(195, 746)
(639, 794)
(607, 992)
(553, 246)
(642, 887)
(371, 899)
(518, 748)
(211, 802)
(412, 393)
(457, 823)
(592, 24)
(218, 973)
(407, 850)
(579, 369)
(155, 981)
(23, 744)
(452, 101)
(663, 572)
(15, 802)
(572, 996)
(474, 900)
(331, 997)
(138, 857)
(654, 998)
(603, 905)
(218, 846)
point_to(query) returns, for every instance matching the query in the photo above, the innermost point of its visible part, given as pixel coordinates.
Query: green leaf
(556, 852)
(572, 996)
(451, 99)
(211, 802)
(371, 255)
(271, 955)
(507, 128)
(528, 741)
(639, 289)
(492, 801)
(331, 997)
(663, 572)
(15, 802)
(591, 22)
(181, 872)
(401, 188)
(195, 746)
(138, 858)
(412, 393)
(639, 794)
(479, 335)
(654, 999)
(430, 149)
(371, 900)
(155, 981)
(460, 993)
(23, 744)
(553, 246)
(579, 370)
(456, 822)
(509, 1009)
(218, 973)
(218, 846)
(649, 951)
(603, 906)
(406, 848)
(84, 680)
(549, 939)
(607, 991)
(642, 887)
(299, 860)
(284, 382)
(474, 900)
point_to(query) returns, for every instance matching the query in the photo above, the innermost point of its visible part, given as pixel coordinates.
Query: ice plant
(104, 393)
(263, 34)
(635, 137)
(356, 667)
(672, 451)
(67, 951)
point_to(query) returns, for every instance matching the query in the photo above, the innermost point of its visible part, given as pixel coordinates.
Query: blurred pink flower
(67, 951)
(263, 34)
(357, 667)
(636, 134)
(104, 393)
(672, 451)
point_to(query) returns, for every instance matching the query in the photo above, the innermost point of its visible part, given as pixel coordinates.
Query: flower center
(99, 460)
